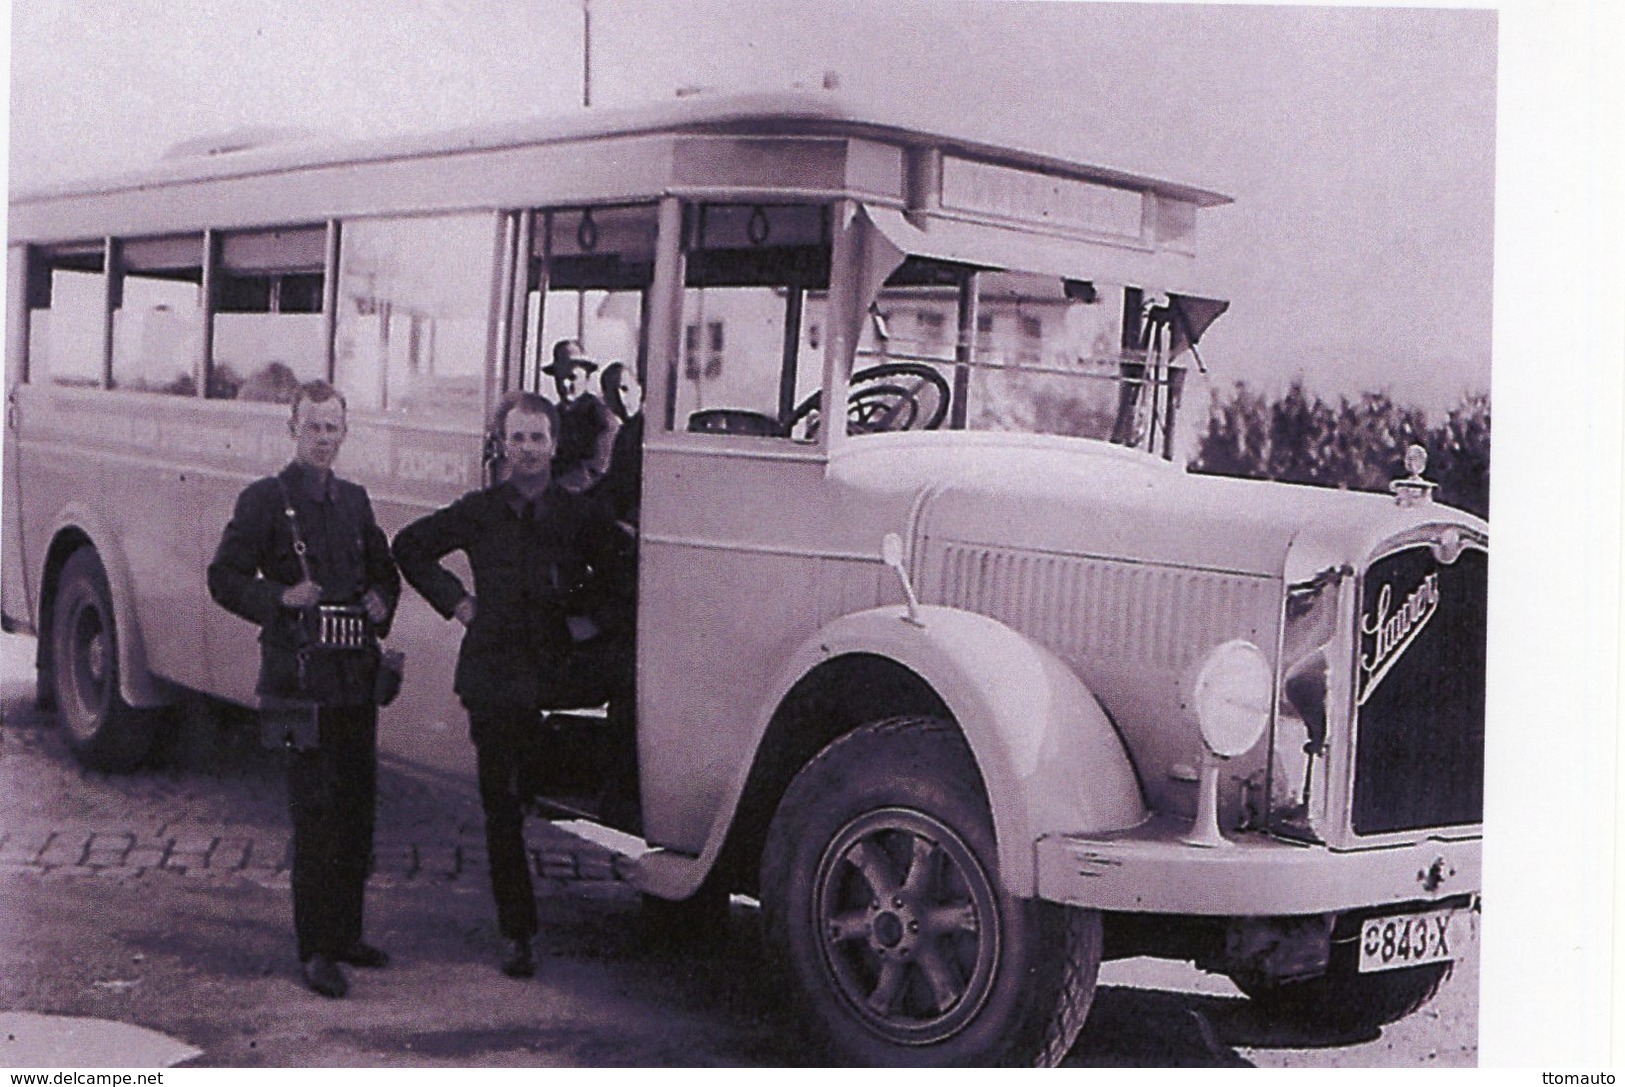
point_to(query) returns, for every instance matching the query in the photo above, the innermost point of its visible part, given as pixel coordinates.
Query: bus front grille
(1419, 739)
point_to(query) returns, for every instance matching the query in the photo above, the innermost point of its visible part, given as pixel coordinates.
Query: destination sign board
(1003, 192)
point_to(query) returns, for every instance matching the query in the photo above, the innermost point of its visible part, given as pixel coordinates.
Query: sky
(1359, 144)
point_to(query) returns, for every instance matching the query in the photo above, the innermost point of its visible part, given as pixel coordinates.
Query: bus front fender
(1050, 758)
(136, 683)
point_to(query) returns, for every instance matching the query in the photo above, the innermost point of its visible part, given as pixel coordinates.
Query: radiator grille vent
(1084, 607)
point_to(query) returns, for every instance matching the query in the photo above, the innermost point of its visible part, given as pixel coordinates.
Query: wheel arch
(1070, 772)
(835, 696)
(79, 527)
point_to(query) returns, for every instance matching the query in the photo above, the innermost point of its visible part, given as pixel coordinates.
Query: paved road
(160, 899)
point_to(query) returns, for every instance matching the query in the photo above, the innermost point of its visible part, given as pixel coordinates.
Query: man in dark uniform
(585, 438)
(304, 560)
(541, 558)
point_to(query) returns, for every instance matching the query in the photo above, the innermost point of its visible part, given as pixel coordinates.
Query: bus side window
(158, 315)
(413, 305)
(268, 324)
(745, 363)
(67, 295)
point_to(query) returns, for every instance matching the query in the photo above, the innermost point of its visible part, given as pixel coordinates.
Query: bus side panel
(410, 469)
(15, 604)
(53, 499)
(122, 454)
(154, 504)
(426, 725)
(727, 588)
(230, 649)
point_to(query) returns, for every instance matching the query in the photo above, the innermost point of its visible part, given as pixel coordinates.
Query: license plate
(1412, 939)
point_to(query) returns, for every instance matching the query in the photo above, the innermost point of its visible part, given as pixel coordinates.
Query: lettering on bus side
(367, 454)
(431, 466)
(196, 440)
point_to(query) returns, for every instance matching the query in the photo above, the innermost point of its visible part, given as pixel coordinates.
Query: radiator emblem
(1388, 633)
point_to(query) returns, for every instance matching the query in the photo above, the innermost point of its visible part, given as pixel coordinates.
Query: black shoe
(364, 955)
(321, 976)
(519, 963)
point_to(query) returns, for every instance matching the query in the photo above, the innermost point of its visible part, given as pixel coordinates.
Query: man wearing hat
(586, 425)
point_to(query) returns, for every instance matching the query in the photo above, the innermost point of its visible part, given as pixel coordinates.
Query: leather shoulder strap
(299, 548)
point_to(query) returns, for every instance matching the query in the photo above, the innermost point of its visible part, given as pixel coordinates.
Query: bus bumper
(1148, 869)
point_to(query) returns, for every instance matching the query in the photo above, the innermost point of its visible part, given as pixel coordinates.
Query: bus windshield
(956, 347)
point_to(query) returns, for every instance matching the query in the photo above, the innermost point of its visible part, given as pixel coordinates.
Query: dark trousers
(500, 735)
(332, 791)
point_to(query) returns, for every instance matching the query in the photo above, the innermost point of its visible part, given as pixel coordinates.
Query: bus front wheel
(105, 732)
(882, 904)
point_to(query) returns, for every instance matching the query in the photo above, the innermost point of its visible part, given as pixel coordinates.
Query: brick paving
(67, 850)
(221, 815)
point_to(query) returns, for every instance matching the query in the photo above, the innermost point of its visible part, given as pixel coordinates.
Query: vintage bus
(942, 654)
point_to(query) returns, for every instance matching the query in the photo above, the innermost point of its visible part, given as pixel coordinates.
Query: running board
(663, 873)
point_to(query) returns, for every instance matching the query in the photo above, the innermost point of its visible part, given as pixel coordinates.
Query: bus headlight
(1233, 698)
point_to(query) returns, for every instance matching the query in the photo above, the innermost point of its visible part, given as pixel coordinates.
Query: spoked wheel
(911, 928)
(105, 732)
(882, 903)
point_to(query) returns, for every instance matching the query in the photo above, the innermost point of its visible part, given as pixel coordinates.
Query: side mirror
(891, 553)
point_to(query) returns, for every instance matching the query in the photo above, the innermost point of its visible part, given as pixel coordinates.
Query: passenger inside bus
(622, 485)
(586, 426)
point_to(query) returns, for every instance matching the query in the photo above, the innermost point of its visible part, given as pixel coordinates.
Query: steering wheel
(890, 396)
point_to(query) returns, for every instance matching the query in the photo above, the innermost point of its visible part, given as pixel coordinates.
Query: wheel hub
(887, 932)
(909, 921)
(96, 658)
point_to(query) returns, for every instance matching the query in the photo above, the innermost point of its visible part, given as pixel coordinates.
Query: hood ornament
(1413, 490)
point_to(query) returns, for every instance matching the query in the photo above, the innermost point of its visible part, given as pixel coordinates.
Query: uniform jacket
(530, 575)
(348, 555)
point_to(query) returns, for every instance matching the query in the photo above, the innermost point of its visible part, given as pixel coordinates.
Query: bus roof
(799, 113)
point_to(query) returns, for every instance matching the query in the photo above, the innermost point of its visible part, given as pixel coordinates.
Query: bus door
(587, 273)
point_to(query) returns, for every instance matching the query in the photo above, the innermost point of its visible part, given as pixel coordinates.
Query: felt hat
(568, 355)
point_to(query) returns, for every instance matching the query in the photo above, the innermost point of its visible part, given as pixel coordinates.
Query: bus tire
(884, 912)
(104, 731)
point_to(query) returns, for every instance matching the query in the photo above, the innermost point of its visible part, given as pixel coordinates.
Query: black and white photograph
(621, 533)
